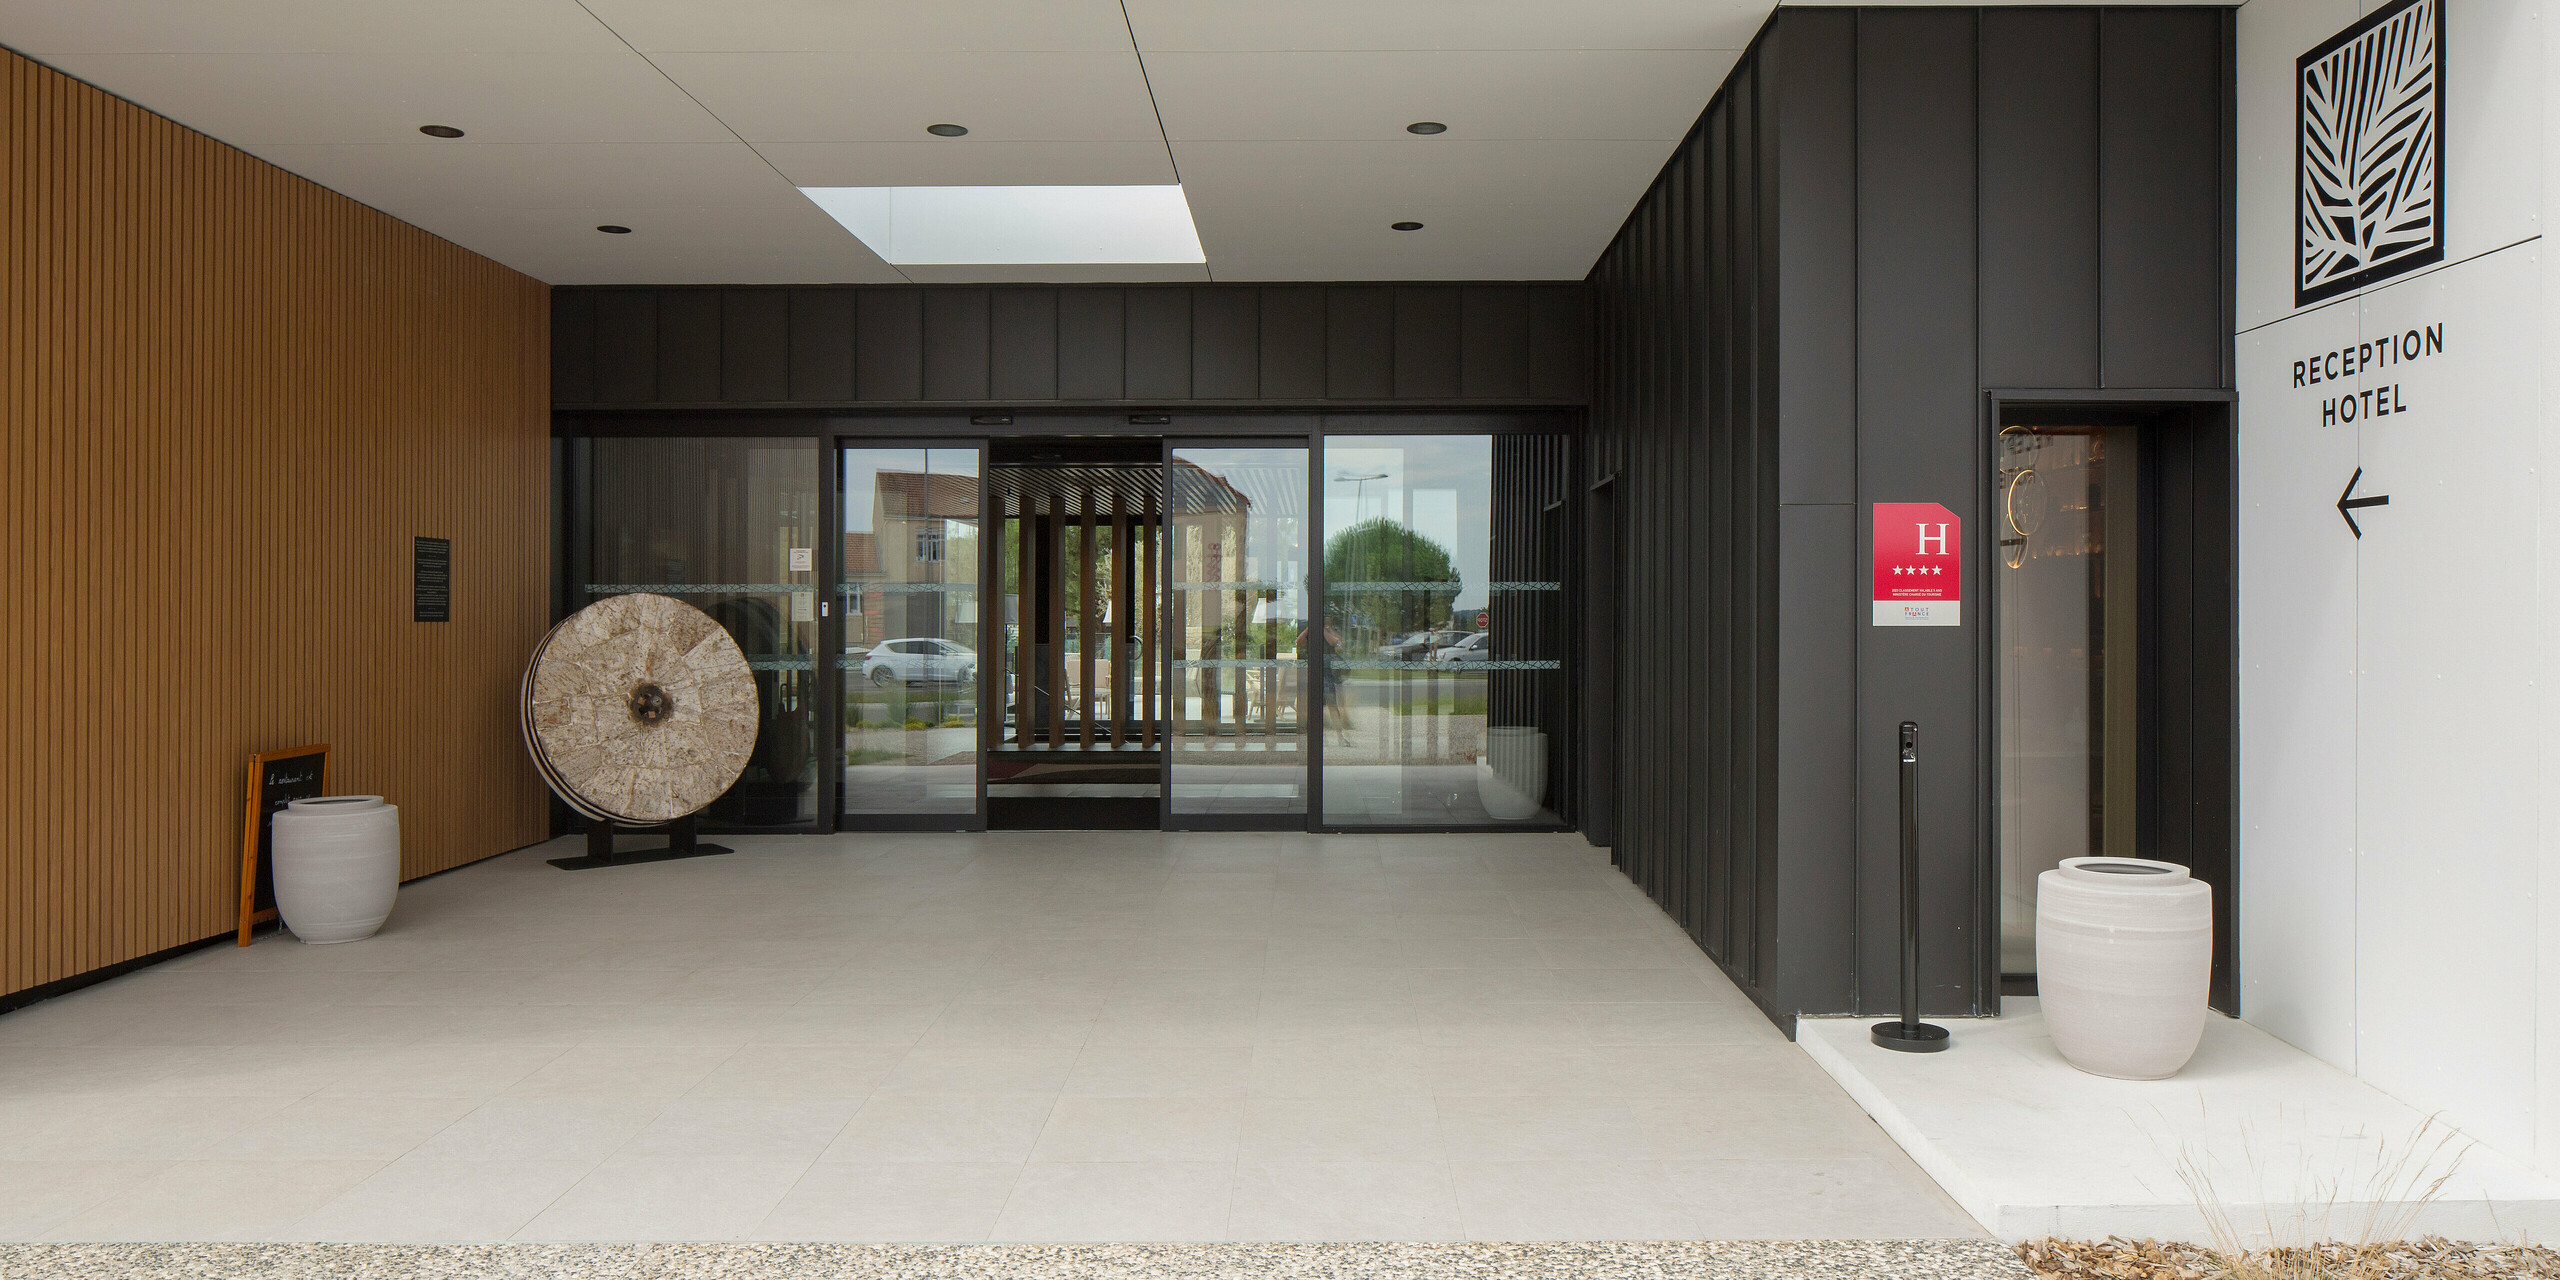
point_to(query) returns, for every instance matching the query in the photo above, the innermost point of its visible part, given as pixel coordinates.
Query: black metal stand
(1910, 1034)
(681, 843)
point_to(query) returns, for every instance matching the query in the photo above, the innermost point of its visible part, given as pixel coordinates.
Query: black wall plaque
(434, 580)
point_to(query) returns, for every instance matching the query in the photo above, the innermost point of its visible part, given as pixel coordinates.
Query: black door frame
(1982, 564)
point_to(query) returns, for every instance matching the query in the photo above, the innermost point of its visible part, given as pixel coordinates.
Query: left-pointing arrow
(2348, 502)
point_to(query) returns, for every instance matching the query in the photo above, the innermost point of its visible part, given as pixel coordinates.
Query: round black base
(1909, 1037)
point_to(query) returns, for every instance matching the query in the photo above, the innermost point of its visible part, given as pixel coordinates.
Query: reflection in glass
(2064, 514)
(1236, 556)
(715, 523)
(911, 629)
(1442, 612)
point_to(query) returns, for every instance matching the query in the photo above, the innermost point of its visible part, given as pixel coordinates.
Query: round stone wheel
(639, 709)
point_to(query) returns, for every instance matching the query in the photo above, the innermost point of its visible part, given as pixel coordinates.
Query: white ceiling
(693, 121)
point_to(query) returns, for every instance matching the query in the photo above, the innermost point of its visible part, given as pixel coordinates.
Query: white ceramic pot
(337, 866)
(1511, 776)
(2124, 955)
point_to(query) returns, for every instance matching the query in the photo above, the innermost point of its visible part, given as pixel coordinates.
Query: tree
(1379, 550)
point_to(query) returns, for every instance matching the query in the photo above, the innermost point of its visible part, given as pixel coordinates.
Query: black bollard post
(1910, 1034)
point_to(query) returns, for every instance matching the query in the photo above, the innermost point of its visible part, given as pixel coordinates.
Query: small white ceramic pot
(2124, 956)
(337, 866)
(1511, 776)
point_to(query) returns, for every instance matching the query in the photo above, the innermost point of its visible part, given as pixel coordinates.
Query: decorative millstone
(639, 709)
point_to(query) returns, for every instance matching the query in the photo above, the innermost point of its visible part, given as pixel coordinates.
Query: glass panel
(910, 660)
(2064, 511)
(1443, 615)
(1235, 621)
(717, 523)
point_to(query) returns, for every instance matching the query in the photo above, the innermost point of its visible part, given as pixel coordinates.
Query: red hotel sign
(1919, 562)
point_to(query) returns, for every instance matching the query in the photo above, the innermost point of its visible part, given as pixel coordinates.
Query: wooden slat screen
(231, 398)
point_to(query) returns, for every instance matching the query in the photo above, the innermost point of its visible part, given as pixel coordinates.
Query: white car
(923, 660)
(1470, 648)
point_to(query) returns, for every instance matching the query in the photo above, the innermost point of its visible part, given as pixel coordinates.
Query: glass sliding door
(1236, 539)
(729, 526)
(1443, 597)
(2066, 514)
(908, 599)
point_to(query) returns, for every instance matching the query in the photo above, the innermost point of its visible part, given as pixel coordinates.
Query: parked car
(1470, 648)
(922, 660)
(1415, 646)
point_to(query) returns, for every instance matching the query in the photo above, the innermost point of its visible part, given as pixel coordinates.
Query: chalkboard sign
(432, 581)
(276, 778)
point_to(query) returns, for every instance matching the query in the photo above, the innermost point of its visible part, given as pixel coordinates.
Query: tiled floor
(1123, 1036)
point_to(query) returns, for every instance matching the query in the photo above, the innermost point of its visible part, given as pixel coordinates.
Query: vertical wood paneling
(231, 399)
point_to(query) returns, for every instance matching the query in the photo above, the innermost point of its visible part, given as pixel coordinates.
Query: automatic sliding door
(1236, 629)
(908, 588)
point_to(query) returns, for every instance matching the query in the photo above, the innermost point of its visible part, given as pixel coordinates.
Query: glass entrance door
(907, 598)
(2066, 677)
(1237, 638)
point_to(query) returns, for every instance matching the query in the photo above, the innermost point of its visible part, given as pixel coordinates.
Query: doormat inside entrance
(1642, 1260)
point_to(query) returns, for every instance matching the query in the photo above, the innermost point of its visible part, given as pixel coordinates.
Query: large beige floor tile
(1135, 1202)
(637, 1199)
(37, 1195)
(216, 1200)
(910, 1200)
(1344, 1200)
(943, 1128)
(417, 1199)
(586, 1129)
(747, 1129)
(1141, 1129)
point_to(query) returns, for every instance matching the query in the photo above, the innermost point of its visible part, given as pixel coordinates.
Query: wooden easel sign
(276, 778)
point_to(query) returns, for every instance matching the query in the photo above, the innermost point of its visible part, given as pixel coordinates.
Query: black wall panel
(1493, 359)
(956, 344)
(1023, 344)
(1159, 344)
(1429, 337)
(1802, 318)
(2040, 197)
(1226, 344)
(1919, 440)
(821, 345)
(689, 346)
(2163, 115)
(1093, 336)
(1360, 356)
(826, 346)
(573, 359)
(888, 360)
(625, 349)
(755, 344)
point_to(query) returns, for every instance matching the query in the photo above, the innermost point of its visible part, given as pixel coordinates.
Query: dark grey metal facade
(1884, 216)
(870, 346)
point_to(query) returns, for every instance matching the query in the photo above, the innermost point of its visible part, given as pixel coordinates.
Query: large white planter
(337, 866)
(2124, 956)
(1511, 776)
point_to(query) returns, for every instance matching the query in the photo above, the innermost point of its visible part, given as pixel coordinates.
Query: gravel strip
(1685, 1260)
(2432, 1258)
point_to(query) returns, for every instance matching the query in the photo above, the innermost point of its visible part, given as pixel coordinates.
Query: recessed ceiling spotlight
(1426, 127)
(439, 131)
(612, 230)
(947, 130)
(1406, 226)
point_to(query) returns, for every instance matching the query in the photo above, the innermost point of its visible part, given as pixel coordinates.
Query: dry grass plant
(2304, 1243)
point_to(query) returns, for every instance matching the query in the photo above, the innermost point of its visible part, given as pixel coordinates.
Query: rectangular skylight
(985, 226)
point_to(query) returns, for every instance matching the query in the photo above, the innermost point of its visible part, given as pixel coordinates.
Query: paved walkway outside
(1020, 1036)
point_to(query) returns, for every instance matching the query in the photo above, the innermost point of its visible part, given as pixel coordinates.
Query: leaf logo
(2369, 187)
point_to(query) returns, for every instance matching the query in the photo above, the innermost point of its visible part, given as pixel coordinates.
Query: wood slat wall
(230, 399)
